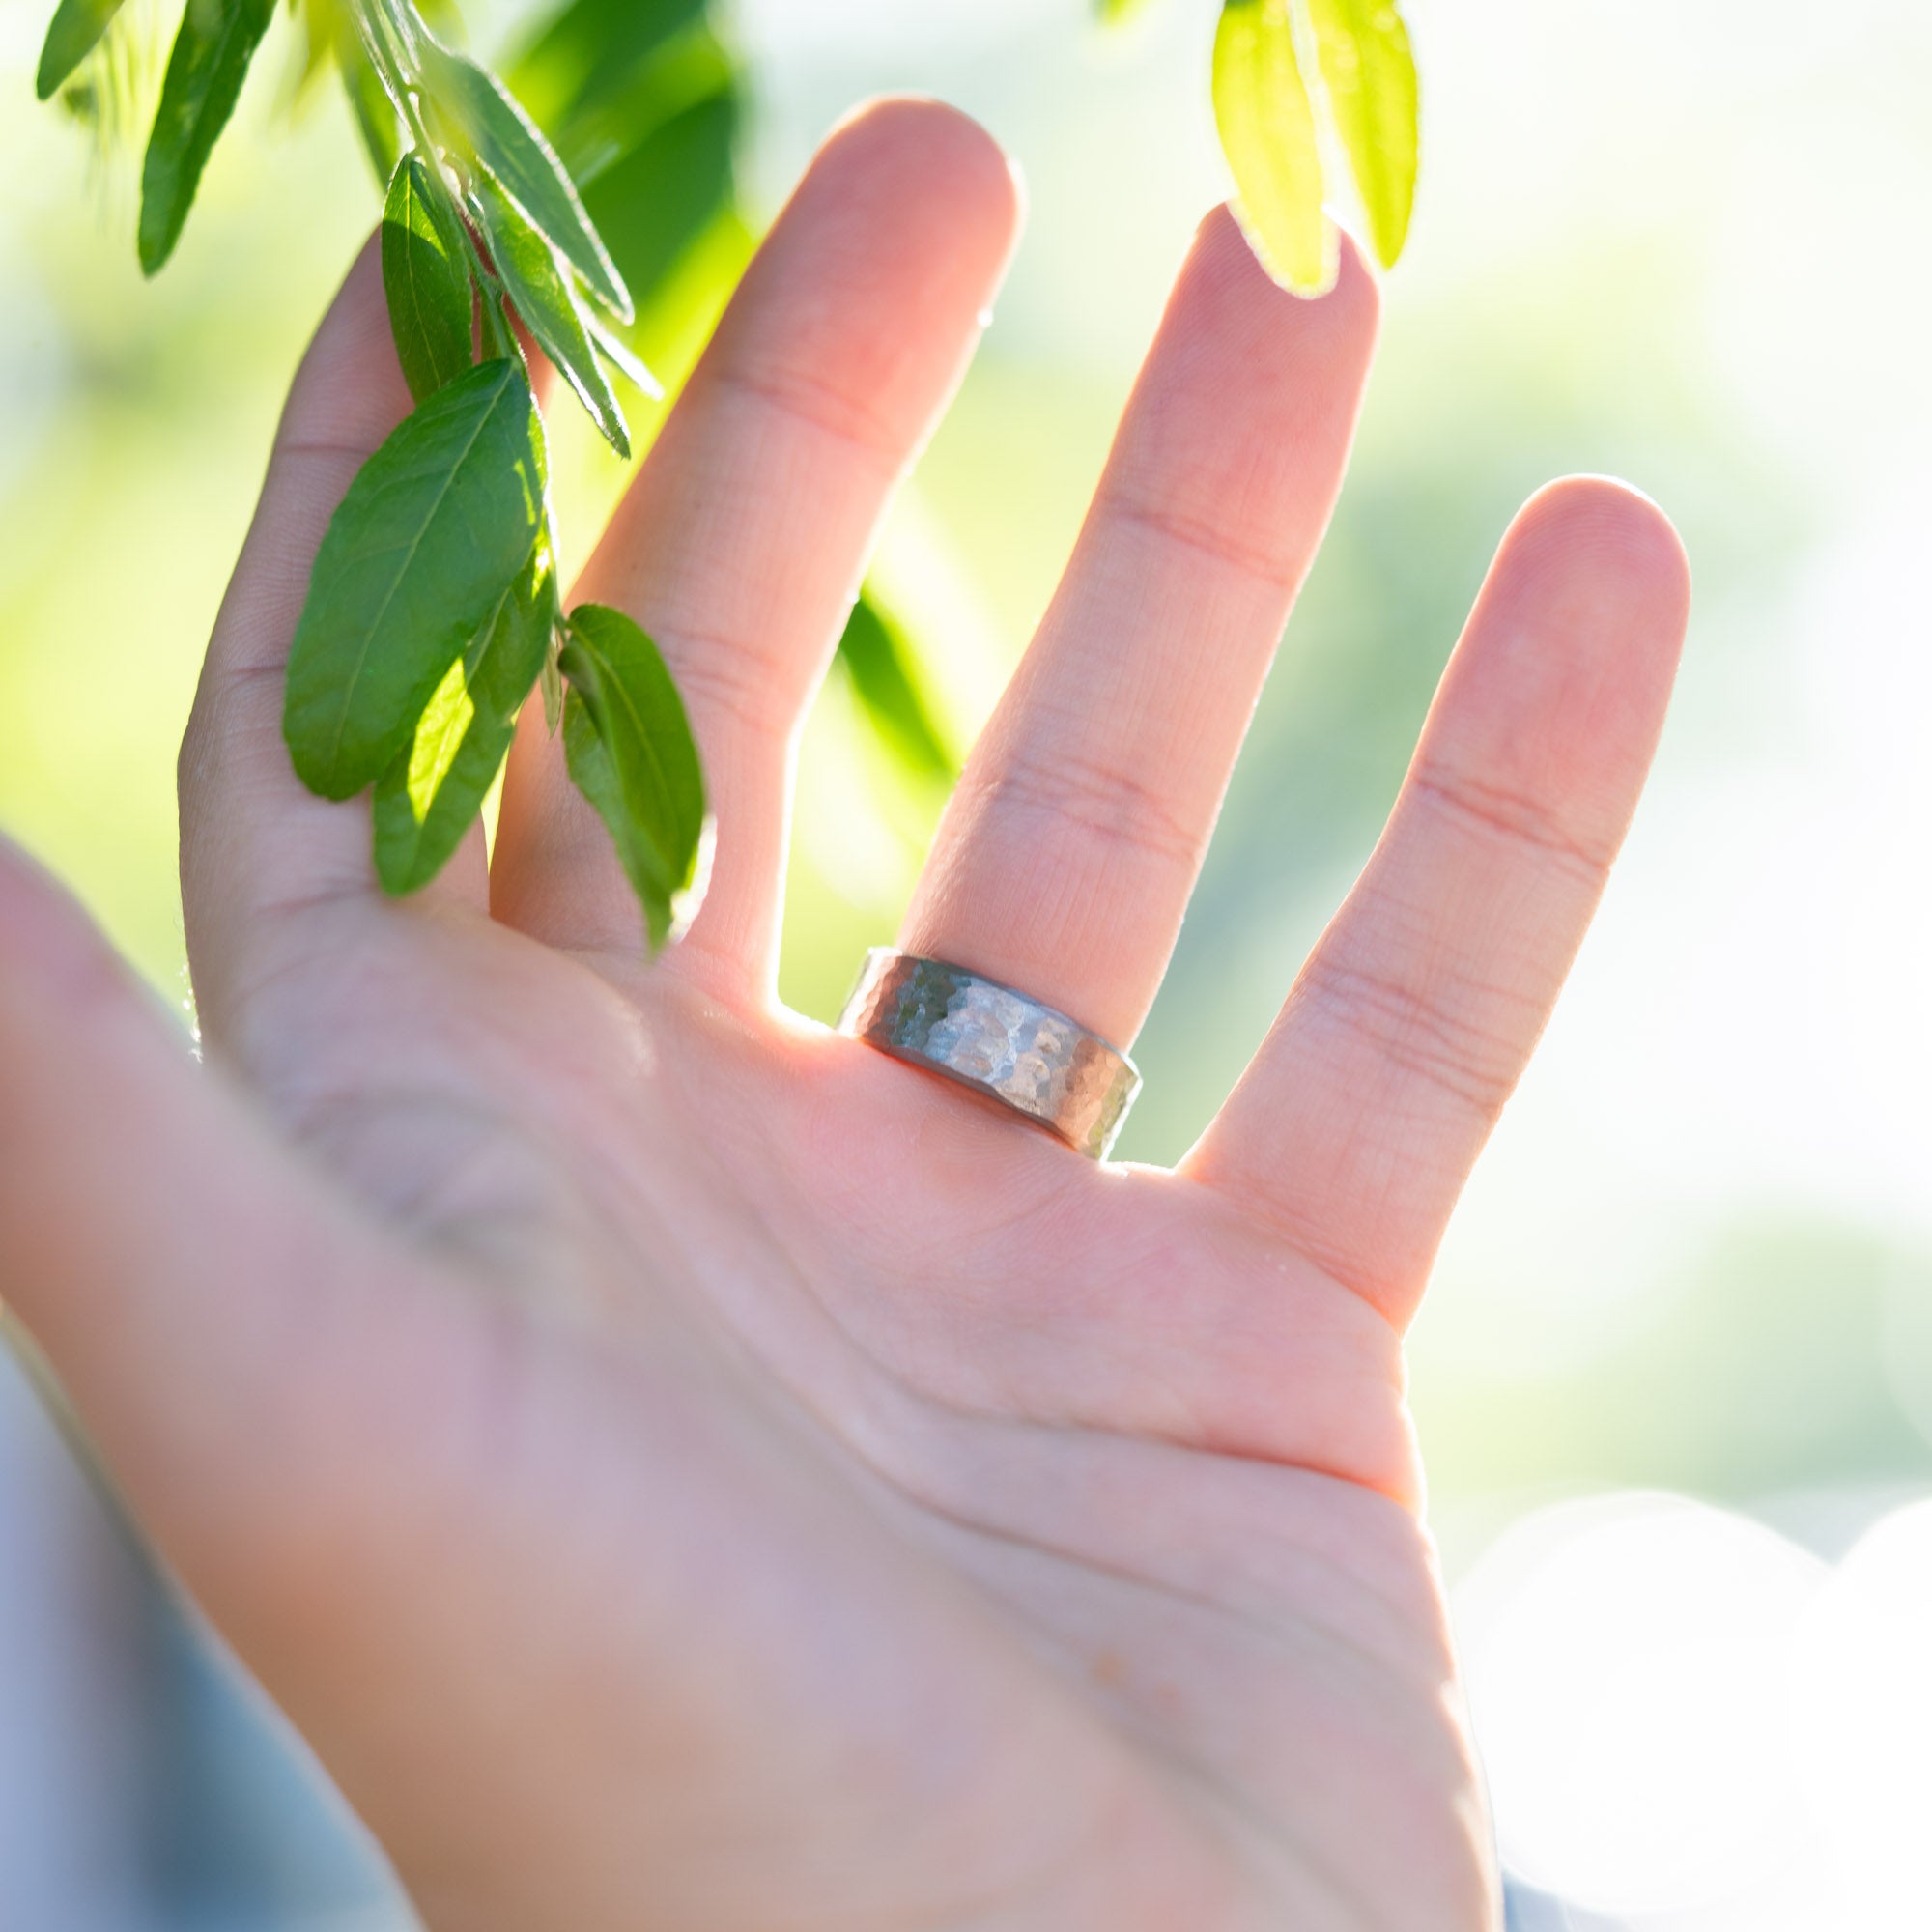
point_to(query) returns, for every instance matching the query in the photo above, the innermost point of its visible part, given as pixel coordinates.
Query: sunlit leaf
(426, 278)
(621, 356)
(415, 558)
(1370, 77)
(372, 102)
(1267, 133)
(70, 36)
(550, 682)
(212, 52)
(540, 292)
(487, 125)
(430, 796)
(885, 679)
(629, 749)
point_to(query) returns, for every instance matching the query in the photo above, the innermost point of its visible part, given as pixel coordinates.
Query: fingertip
(871, 287)
(937, 151)
(1247, 403)
(1355, 292)
(1610, 542)
(1568, 659)
(1223, 273)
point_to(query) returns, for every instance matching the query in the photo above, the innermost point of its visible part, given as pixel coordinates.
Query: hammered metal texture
(989, 1037)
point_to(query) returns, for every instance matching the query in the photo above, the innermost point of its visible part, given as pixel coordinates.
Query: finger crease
(358, 452)
(1113, 804)
(804, 400)
(1422, 1034)
(1202, 538)
(735, 680)
(1519, 819)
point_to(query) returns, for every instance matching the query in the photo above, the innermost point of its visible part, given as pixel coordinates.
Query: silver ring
(996, 1040)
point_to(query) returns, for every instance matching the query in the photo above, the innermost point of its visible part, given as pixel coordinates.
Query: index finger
(253, 837)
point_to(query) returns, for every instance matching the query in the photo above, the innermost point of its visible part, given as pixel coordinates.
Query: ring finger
(1065, 858)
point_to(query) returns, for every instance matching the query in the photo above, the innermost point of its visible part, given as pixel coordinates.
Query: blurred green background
(1682, 241)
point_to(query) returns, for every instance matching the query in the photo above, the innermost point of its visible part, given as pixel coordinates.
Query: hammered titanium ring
(997, 1040)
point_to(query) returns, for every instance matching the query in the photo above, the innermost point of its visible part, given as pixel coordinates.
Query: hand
(683, 1470)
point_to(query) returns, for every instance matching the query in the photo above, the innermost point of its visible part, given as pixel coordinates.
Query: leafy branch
(434, 611)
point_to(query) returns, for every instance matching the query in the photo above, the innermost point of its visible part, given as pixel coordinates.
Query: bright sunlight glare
(1691, 1725)
(1625, 1661)
(1862, 1710)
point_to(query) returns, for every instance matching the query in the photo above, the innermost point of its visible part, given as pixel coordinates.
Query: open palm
(683, 1470)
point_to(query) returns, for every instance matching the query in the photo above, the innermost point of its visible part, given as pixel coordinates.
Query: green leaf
(431, 794)
(369, 37)
(540, 292)
(550, 682)
(1114, 12)
(629, 749)
(487, 125)
(426, 277)
(212, 52)
(654, 201)
(71, 37)
(1369, 73)
(415, 558)
(885, 679)
(622, 357)
(1267, 133)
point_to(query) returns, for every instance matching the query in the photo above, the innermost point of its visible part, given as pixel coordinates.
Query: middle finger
(740, 545)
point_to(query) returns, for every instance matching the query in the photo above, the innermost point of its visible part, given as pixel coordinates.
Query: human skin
(684, 1472)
